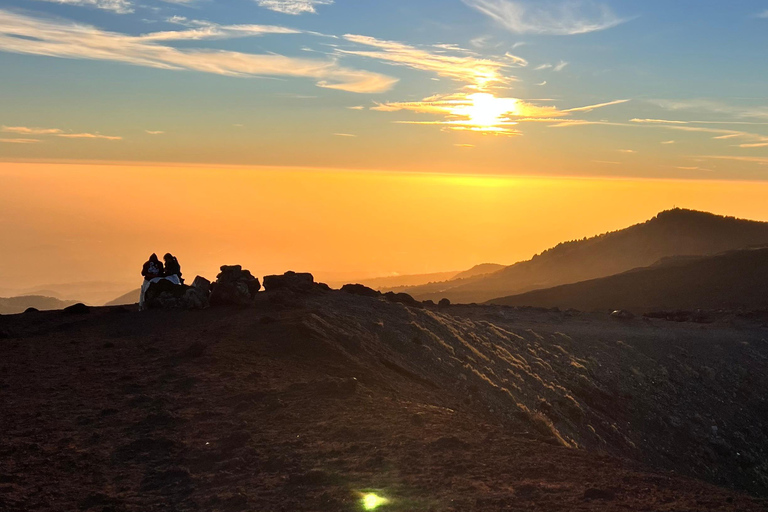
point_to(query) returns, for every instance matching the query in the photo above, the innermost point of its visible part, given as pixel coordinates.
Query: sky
(560, 105)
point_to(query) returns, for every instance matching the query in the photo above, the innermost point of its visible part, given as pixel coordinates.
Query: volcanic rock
(234, 286)
(167, 295)
(299, 282)
(359, 289)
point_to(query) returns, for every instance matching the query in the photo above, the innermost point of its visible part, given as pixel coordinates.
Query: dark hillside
(13, 305)
(671, 233)
(733, 280)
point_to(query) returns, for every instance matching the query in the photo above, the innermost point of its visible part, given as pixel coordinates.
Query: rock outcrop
(234, 286)
(167, 295)
(294, 281)
(359, 289)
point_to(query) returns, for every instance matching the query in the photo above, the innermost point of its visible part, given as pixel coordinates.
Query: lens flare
(372, 501)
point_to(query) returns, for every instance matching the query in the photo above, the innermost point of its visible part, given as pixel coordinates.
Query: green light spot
(372, 501)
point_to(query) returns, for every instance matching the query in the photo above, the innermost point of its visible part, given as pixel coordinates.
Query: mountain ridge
(675, 232)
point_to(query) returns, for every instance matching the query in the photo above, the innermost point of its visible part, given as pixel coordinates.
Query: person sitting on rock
(172, 269)
(153, 269)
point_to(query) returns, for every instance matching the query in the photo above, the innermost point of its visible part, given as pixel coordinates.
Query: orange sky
(83, 222)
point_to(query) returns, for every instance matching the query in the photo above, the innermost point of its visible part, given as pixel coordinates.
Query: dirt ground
(252, 410)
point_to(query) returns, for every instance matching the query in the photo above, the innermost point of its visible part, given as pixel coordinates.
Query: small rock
(403, 298)
(77, 309)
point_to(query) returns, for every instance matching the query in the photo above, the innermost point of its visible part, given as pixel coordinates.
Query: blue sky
(650, 89)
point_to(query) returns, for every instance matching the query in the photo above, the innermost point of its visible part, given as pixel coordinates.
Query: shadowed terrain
(671, 233)
(305, 401)
(733, 280)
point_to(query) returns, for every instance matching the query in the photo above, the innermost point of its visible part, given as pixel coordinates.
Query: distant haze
(85, 223)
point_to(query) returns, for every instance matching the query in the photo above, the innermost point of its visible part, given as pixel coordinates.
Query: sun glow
(485, 112)
(373, 501)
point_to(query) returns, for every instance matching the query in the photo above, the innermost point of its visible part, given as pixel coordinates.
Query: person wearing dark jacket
(172, 267)
(152, 269)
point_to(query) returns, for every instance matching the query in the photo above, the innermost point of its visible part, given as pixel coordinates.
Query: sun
(485, 112)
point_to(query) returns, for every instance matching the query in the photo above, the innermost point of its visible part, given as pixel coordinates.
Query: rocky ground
(310, 401)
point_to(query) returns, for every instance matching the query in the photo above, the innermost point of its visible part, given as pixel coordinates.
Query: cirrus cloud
(52, 38)
(551, 17)
(293, 6)
(118, 6)
(478, 72)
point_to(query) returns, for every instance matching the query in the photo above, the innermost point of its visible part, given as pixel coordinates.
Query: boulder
(167, 295)
(298, 282)
(359, 289)
(444, 303)
(198, 295)
(234, 286)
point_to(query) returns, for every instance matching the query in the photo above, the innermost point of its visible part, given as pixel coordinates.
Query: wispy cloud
(24, 130)
(656, 121)
(154, 132)
(118, 6)
(345, 135)
(556, 67)
(763, 14)
(204, 31)
(667, 142)
(465, 68)
(715, 107)
(589, 108)
(88, 136)
(20, 141)
(754, 140)
(554, 17)
(53, 38)
(293, 6)
(516, 60)
(485, 113)
(56, 132)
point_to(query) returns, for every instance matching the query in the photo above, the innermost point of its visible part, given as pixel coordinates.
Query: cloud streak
(24, 130)
(294, 7)
(26, 35)
(551, 17)
(19, 141)
(117, 6)
(487, 114)
(474, 71)
(88, 136)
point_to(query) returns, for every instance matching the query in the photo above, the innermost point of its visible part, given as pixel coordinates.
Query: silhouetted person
(152, 269)
(172, 268)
